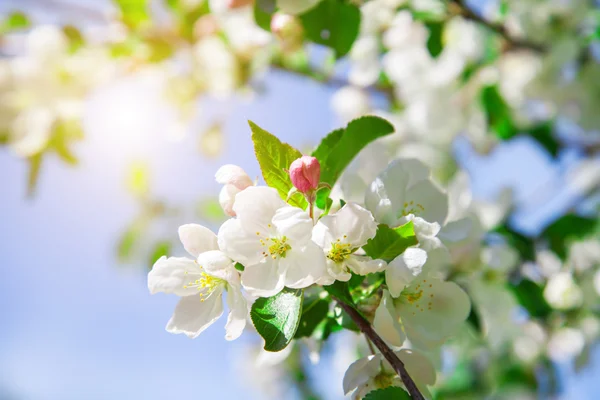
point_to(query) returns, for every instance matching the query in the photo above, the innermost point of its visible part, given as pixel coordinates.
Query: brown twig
(388, 353)
(464, 10)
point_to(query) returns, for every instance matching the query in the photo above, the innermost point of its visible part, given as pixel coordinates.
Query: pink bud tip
(305, 173)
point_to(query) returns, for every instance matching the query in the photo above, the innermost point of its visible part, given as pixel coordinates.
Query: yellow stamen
(339, 251)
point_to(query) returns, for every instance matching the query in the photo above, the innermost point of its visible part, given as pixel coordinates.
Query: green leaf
(435, 42)
(274, 158)
(568, 228)
(543, 134)
(14, 21)
(127, 243)
(524, 245)
(498, 113)
(389, 243)
(531, 296)
(340, 147)
(134, 12)
(333, 23)
(276, 318)
(263, 12)
(314, 311)
(160, 249)
(239, 267)
(76, 40)
(390, 393)
(341, 291)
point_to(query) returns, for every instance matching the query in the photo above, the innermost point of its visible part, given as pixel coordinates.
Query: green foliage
(314, 311)
(568, 228)
(14, 21)
(133, 12)
(338, 148)
(390, 393)
(389, 243)
(274, 158)
(160, 248)
(520, 242)
(434, 42)
(127, 243)
(333, 23)
(276, 318)
(341, 291)
(498, 113)
(76, 40)
(263, 12)
(531, 296)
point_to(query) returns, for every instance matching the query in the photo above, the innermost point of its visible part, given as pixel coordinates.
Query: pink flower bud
(234, 179)
(305, 173)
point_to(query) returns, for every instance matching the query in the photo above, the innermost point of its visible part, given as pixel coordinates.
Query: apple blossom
(234, 179)
(340, 235)
(272, 241)
(200, 283)
(374, 372)
(305, 173)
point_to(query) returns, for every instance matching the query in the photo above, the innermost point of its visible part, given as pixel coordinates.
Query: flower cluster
(270, 245)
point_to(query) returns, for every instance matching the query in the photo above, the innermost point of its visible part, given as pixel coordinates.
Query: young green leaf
(333, 23)
(14, 21)
(434, 42)
(276, 318)
(341, 291)
(389, 243)
(263, 12)
(161, 248)
(389, 393)
(498, 113)
(274, 158)
(314, 311)
(340, 147)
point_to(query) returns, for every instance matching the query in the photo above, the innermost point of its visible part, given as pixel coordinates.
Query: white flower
(200, 284)
(562, 292)
(374, 372)
(340, 235)
(272, 241)
(426, 310)
(234, 179)
(350, 102)
(565, 344)
(584, 255)
(31, 130)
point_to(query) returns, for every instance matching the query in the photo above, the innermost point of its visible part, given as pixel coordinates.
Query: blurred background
(114, 117)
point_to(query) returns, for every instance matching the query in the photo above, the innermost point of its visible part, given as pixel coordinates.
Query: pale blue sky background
(75, 325)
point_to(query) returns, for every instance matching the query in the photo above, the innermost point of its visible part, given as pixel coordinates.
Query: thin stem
(371, 348)
(464, 10)
(388, 353)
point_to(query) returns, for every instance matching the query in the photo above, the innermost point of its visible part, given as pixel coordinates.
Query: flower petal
(419, 367)
(217, 264)
(402, 270)
(321, 234)
(238, 244)
(293, 223)
(233, 175)
(238, 311)
(363, 265)
(192, 315)
(352, 224)
(227, 199)
(256, 206)
(431, 199)
(360, 371)
(170, 275)
(386, 322)
(263, 279)
(197, 239)
(305, 267)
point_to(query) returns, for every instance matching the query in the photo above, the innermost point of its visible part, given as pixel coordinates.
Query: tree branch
(464, 10)
(388, 353)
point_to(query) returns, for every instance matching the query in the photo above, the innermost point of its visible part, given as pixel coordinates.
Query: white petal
(378, 202)
(386, 322)
(263, 279)
(305, 267)
(238, 311)
(439, 311)
(419, 367)
(433, 200)
(233, 175)
(256, 206)
(363, 265)
(360, 371)
(170, 275)
(402, 269)
(293, 223)
(192, 316)
(197, 239)
(321, 234)
(457, 231)
(217, 264)
(227, 199)
(337, 271)
(352, 224)
(296, 6)
(239, 244)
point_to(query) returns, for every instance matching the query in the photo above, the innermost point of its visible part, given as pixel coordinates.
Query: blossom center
(277, 247)
(206, 284)
(383, 380)
(412, 208)
(339, 251)
(418, 296)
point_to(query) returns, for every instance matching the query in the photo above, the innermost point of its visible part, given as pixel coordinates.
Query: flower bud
(288, 29)
(305, 173)
(234, 179)
(232, 4)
